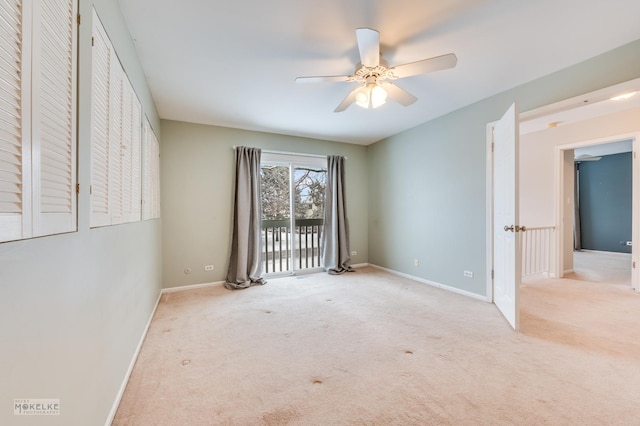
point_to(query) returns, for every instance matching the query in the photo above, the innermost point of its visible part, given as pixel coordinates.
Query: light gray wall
(197, 171)
(427, 185)
(73, 307)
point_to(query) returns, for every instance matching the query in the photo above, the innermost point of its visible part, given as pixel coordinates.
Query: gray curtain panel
(245, 263)
(335, 235)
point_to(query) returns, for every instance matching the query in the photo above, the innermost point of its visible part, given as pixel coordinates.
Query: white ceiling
(233, 63)
(583, 107)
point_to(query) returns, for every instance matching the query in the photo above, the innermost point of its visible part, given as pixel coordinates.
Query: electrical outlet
(354, 253)
(208, 268)
(187, 270)
(416, 263)
(468, 274)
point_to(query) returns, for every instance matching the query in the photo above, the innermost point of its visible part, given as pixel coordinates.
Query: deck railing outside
(277, 246)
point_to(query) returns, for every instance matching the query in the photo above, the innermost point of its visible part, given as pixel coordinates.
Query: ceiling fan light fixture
(371, 95)
(378, 96)
(363, 96)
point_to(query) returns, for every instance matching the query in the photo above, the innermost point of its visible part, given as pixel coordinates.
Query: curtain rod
(270, 151)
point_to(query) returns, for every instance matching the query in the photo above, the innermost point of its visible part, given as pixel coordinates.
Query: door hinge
(77, 188)
(634, 155)
(90, 189)
(634, 265)
(493, 146)
(93, 41)
(79, 19)
(492, 274)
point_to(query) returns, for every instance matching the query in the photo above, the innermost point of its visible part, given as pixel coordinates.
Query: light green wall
(73, 307)
(427, 185)
(197, 171)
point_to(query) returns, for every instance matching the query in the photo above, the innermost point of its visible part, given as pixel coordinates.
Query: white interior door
(635, 225)
(506, 238)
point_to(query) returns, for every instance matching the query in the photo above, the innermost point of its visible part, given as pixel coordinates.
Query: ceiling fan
(586, 157)
(374, 74)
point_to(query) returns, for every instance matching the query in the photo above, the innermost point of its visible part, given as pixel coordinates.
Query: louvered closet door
(15, 182)
(100, 119)
(136, 157)
(115, 143)
(53, 122)
(125, 154)
(146, 170)
(150, 174)
(130, 153)
(155, 177)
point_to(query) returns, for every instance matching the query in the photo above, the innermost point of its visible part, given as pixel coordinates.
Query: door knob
(521, 229)
(508, 228)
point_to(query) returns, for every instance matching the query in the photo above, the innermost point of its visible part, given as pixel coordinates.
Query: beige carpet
(603, 267)
(593, 308)
(365, 348)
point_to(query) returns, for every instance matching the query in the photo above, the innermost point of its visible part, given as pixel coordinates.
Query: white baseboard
(191, 287)
(434, 284)
(116, 403)
(609, 253)
(538, 276)
(216, 283)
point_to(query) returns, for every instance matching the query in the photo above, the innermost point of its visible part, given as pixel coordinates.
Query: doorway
(565, 203)
(588, 106)
(292, 194)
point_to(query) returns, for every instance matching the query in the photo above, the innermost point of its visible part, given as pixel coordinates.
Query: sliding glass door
(292, 212)
(276, 218)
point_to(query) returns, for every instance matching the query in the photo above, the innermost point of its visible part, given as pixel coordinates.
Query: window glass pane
(275, 192)
(276, 218)
(309, 192)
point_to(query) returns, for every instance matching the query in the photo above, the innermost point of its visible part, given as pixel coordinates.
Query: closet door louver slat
(14, 193)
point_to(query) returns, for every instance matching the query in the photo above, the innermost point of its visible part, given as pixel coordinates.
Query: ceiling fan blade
(586, 157)
(426, 66)
(369, 46)
(351, 98)
(399, 95)
(323, 79)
